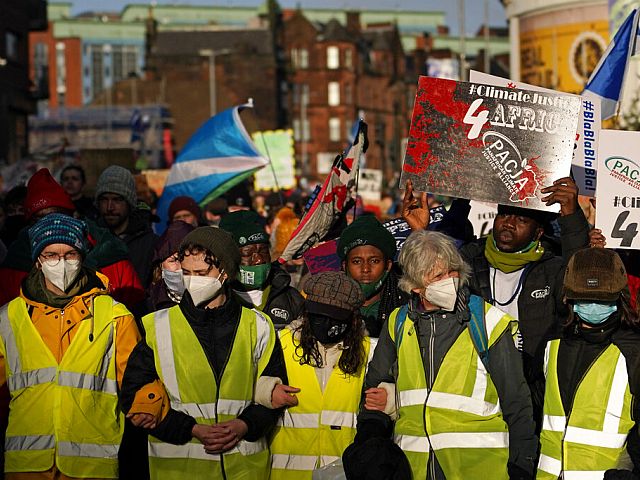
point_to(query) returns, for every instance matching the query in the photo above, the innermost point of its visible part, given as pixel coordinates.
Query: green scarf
(510, 262)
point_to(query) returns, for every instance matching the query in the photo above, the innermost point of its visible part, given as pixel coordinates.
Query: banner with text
(585, 153)
(370, 184)
(618, 208)
(489, 143)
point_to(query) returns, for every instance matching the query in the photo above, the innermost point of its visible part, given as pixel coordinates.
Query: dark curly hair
(195, 249)
(629, 318)
(353, 357)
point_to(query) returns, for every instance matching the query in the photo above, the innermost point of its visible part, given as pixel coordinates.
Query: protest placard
(277, 146)
(585, 153)
(618, 207)
(370, 184)
(489, 143)
(481, 217)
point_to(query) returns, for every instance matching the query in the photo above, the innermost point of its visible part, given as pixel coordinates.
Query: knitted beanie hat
(44, 192)
(332, 294)
(245, 226)
(184, 203)
(366, 230)
(220, 243)
(57, 228)
(118, 180)
(596, 274)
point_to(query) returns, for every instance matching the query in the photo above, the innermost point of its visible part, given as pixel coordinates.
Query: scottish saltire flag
(336, 195)
(219, 155)
(606, 81)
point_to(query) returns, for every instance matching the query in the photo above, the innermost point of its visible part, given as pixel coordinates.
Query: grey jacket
(436, 333)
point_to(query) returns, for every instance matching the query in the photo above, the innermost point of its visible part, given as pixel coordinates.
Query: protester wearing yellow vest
(593, 376)
(65, 345)
(326, 353)
(459, 416)
(209, 351)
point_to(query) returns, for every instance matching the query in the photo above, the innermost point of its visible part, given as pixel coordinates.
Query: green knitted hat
(366, 230)
(218, 242)
(245, 227)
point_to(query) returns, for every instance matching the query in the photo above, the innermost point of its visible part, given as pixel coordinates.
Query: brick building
(336, 74)
(18, 18)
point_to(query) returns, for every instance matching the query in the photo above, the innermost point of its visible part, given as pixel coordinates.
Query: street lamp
(211, 55)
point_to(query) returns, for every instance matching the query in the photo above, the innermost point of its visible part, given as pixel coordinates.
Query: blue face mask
(594, 313)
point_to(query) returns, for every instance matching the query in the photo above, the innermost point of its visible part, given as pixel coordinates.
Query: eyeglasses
(54, 258)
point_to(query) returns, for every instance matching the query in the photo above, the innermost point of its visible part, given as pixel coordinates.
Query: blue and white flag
(606, 81)
(219, 155)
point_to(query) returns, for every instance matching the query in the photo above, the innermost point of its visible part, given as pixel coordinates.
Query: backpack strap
(401, 317)
(477, 328)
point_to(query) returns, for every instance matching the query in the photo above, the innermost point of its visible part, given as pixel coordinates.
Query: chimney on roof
(443, 30)
(353, 22)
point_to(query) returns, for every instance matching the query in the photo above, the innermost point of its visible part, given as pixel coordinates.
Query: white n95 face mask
(443, 293)
(63, 273)
(201, 288)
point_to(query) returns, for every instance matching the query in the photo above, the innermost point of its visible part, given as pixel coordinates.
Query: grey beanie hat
(118, 180)
(220, 243)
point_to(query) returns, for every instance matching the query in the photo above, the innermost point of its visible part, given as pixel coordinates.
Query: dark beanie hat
(169, 242)
(366, 230)
(245, 227)
(58, 228)
(219, 243)
(184, 203)
(332, 294)
(44, 192)
(542, 217)
(596, 274)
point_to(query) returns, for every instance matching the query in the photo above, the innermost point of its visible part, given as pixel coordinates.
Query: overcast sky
(474, 8)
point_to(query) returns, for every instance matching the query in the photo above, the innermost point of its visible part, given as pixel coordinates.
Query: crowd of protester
(199, 354)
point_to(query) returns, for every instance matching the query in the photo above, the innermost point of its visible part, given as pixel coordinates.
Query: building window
(306, 130)
(303, 58)
(348, 94)
(97, 70)
(12, 41)
(299, 58)
(304, 94)
(296, 129)
(348, 58)
(41, 68)
(334, 94)
(335, 133)
(333, 57)
(61, 73)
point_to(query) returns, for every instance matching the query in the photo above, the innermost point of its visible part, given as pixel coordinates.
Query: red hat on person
(44, 192)
(184, 203)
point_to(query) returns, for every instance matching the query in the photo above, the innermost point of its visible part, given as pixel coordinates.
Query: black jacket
(540, 303)
(440, 330)
(284, 303)
(140, 241)
(215, 330)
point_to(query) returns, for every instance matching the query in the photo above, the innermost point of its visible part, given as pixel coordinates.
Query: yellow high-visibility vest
(66, 413)
(460, 419)
(315, 432)
(183, 367)
(593, 438)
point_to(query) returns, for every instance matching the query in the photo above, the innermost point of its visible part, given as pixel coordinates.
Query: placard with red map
(489, 143)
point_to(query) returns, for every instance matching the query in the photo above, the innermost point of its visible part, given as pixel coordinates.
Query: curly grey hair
(423, 252)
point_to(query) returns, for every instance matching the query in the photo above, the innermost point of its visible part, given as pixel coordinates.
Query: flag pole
(273, 170)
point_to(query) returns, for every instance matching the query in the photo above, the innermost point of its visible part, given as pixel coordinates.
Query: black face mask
(326, 329)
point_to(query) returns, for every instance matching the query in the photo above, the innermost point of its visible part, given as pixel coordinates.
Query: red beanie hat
(184, 203)
(44, 192)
